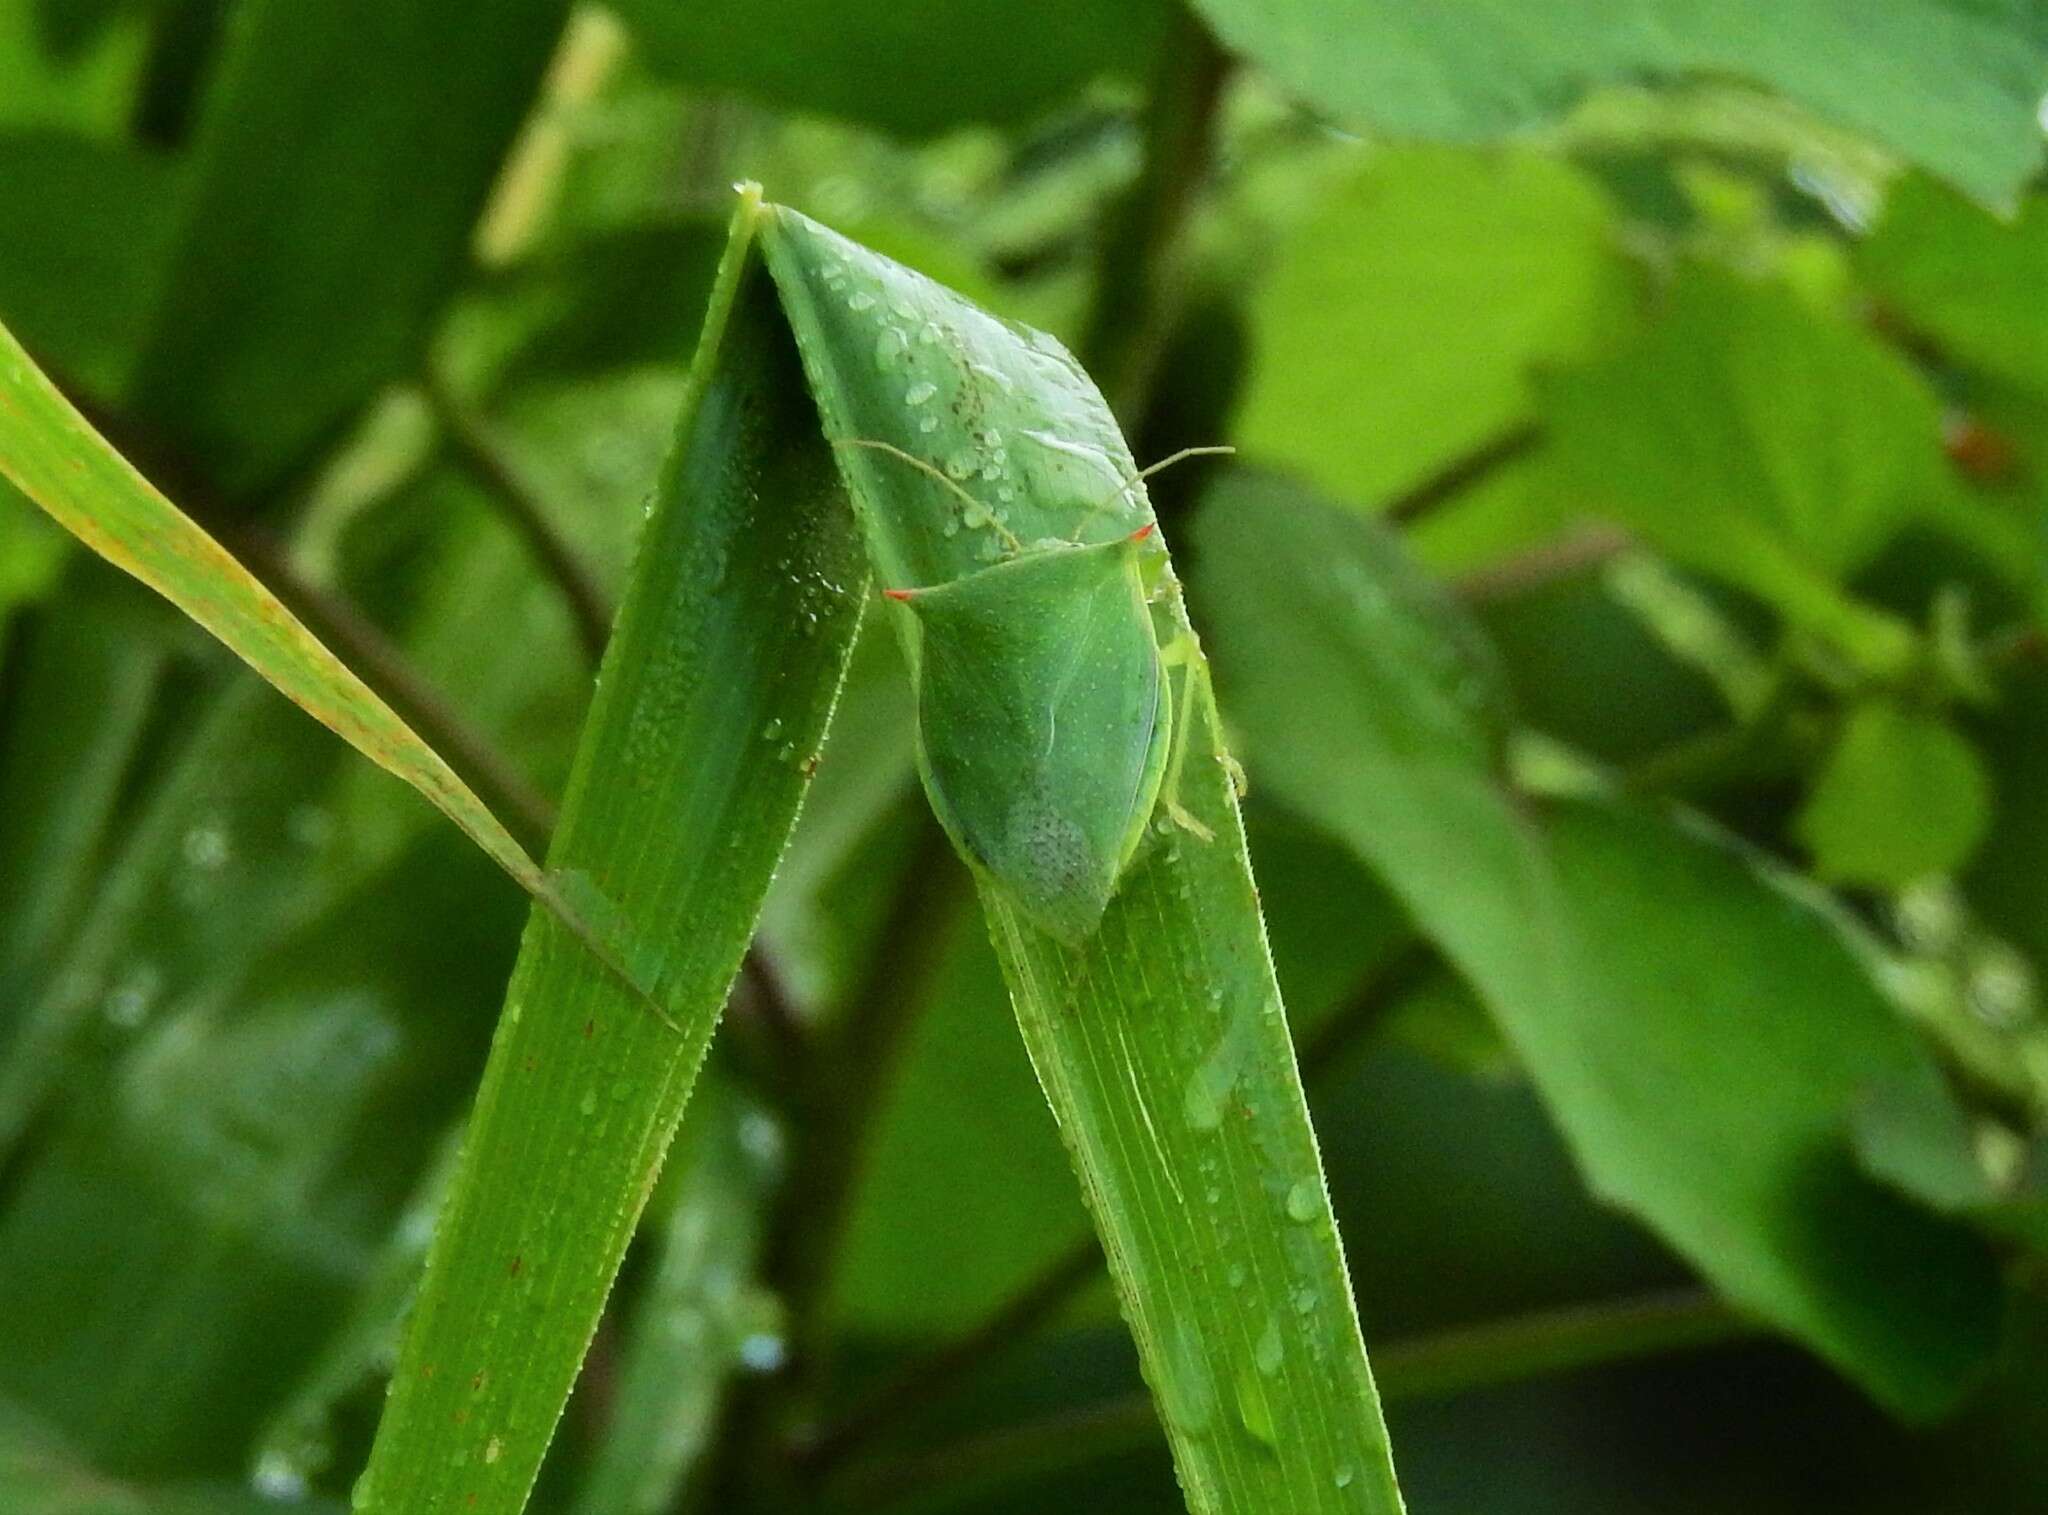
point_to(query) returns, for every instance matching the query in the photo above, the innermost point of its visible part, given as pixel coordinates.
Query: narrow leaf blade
(713, 699)
(56, 458)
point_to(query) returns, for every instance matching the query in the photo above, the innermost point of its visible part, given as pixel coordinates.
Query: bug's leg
(1185, 653)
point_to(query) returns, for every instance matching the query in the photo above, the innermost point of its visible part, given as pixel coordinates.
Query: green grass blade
(53, 455)
(712, 702)
(1160, 1040)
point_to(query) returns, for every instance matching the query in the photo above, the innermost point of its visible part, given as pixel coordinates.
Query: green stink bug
(1047, 729)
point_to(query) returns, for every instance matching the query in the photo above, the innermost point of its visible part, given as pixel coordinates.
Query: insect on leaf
(1043, 721)
(1061, 686)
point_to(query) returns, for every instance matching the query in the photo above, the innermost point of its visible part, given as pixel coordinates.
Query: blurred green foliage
(1650, 815)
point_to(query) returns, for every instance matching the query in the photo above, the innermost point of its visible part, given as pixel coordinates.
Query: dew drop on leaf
(1304, 1202)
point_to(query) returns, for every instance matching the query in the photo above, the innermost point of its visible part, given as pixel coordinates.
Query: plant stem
(1137, 274)
(922, 1382)
(478, 453)
(1439, 1365)
(183, 37)
(1541, 566)
(1462, 472)
(925, 1380)
(1392, 980)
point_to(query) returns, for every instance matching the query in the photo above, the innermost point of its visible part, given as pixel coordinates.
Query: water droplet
(310, 826)
(493, 1449)
(129, 1001)
(1344, 1475)
(1304, 1201)
(206, 847)
(959, 466)
(928, 424)
(860, 300)
(760, 1138)
(1999, 988)
(1254, 1409)
(1267, 1353)
(762, 1352)
(890, 346)
(589, 1105)
(919, 392)
(1237, 1275)
(772, 730)
(278, 1476)
(1185, 1389)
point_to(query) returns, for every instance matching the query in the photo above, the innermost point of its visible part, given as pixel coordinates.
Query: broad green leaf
(1158, 1037)
(85, 230)
(50, 452)
(1399, 327)
(1949, 84)
(712, 700)
(1763, 444)
(1965, 278)
(1901, 796)
(1916, 1135)
(914, 68)
(1700, 1031)
(697, 1317)
(340, 165)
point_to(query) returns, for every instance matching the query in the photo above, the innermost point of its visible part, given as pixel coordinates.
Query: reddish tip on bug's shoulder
(1144, 531)
(898, 594)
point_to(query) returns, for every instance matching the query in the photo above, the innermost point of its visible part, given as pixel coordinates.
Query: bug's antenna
(1179, 457)
(975, 507)
(1160, 467)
